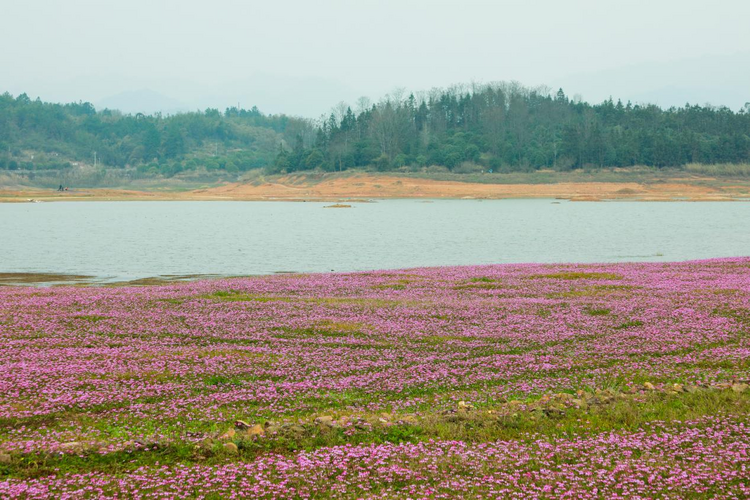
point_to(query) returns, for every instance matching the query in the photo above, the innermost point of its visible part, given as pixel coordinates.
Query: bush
(468, 167)
(722, 169)
(436, 169)
(382, 163)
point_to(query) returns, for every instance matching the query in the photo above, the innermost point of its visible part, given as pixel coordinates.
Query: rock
(463, 405)
(554, 410)
(72, 446)
(739, 387)
(649, 386)
(539, 412)
(457, 417)
(228, 435)
(297, 429)
(231, 448)
(324, 420)
(4, 458)
(241, 425)
(677, 387)
(256, 430)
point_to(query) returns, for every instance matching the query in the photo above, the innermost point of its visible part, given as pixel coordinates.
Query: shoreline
(33, 279)
(365, 187)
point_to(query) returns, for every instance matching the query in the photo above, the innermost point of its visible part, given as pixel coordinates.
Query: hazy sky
(224, 51)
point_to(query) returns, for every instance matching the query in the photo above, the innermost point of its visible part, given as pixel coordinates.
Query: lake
(129, 240)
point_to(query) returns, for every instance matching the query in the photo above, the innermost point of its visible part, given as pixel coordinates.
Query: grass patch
(592, 291)
(480, 283)
(92, 318)
(442, 339)
(295, 333)
(740, 315)
(390, 286)
(592, 311)
(236, 296)
(400, 284)
(223, 380)
(517, 423)
(573, 275)
(629, 324)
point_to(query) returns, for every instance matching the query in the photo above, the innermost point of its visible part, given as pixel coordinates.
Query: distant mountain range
(717, 80)
(708, 79)
(274, 94)
(145, 101)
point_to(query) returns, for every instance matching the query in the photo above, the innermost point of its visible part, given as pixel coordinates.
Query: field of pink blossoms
(419, 383)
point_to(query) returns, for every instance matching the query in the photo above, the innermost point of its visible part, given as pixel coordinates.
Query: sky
(302, 57)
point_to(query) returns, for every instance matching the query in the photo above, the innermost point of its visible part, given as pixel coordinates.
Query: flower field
(509, 381)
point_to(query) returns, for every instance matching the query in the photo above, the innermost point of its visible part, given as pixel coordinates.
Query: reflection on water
(133, 240)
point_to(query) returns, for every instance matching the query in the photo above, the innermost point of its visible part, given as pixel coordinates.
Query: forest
(499, 127)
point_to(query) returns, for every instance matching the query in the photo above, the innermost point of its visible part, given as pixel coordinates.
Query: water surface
(130, 240)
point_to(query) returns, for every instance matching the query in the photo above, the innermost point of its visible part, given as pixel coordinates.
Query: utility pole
(94, 159)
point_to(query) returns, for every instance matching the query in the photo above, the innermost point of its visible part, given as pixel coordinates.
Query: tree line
(498, 127)
(507, 127)
(36, 135)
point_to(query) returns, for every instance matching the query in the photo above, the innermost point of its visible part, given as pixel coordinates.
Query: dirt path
(333, 188)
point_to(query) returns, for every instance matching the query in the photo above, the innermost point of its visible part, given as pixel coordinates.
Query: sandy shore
(337, 188)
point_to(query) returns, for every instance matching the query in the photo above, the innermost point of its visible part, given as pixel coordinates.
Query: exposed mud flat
(42, 279)
(343, 189)
(58, 279)
(371, 186)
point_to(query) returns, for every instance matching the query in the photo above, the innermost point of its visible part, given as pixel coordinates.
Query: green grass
(629, 324)
(719, 170)
(236, 296)
(573, 275)
(483, 279)
(510, 422)
(223, 380)
(597, 311)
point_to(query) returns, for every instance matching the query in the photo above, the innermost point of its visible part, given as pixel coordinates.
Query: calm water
(129, 240)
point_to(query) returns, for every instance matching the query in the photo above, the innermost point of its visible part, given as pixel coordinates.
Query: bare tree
(363, 104)
(339, 111)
